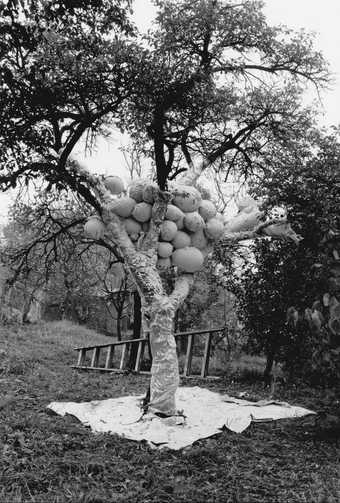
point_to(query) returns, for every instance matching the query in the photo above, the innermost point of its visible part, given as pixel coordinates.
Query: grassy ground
(50, 459)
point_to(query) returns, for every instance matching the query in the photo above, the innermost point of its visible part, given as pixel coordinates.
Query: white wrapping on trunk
(164, 370)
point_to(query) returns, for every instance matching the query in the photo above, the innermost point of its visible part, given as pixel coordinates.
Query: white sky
(323, 18)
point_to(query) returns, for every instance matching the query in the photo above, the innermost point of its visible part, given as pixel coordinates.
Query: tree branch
(181, 290)
(283, 231)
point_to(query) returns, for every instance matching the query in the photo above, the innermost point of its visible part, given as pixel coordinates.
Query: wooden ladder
(106, 364)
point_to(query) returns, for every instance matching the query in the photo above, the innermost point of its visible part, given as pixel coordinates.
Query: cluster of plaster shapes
(190, 227)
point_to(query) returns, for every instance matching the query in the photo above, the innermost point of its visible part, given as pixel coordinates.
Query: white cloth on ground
(206, 413)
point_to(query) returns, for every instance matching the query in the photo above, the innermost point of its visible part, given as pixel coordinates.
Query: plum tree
(203, 90)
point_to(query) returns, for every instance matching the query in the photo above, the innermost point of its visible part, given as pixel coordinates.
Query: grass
(50, 459)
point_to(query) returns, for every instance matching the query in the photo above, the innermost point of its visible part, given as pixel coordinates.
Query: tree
(204, 88)
(301, 282)
(46, 252)
(265, 289)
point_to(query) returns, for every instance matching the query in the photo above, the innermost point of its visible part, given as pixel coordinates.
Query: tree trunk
(32, 313)
(164, 370)
(269, 366)
(137, 325)
(119, 328)
(158, 308)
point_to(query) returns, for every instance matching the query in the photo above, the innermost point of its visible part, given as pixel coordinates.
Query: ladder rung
(188, 356)
(109, 357)
(95, 357)
(206, 357)
(142, 372)
(122, 358)
(110, 351)
(101, 369)
(81, 357)
(139, 356)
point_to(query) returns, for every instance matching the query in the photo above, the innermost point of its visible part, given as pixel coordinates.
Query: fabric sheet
(205, 413)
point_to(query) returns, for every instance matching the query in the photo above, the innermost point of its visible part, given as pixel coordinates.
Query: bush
(311, 354)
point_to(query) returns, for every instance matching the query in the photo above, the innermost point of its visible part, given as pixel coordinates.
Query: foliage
(214, 87)
(73, 69)
(311, 354)
(305, 180)
(284, 277)
(45, 249)
(265, 289)
(194, 313)
(65, 70)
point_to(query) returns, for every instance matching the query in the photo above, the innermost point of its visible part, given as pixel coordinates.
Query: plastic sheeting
(206, 413)
(164, 370)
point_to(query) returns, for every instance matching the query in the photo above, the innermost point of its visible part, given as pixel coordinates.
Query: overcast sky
(321, 17)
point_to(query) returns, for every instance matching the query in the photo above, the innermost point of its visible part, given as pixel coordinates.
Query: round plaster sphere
(181, 240)
(142, 212)
(248, 209)
(198, 240)
(245, 202)
(205, 193)
(163, 263)
(207, 209)
(187, 198)
(188, 259)
(136, 189)
(173, 213)
(214, 228)
(165, 249)
(180, 223)
(149, 193)
(132, 226)
(94, 228)
(123, 207)
(168, 230)
(114, 184)
(193, 221)
(244, 220)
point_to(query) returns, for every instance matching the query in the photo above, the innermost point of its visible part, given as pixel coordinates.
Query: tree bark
(119, 328)
(32, 313)
(269, 366)
(137, 325)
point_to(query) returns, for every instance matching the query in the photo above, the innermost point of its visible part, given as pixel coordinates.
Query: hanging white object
(278, 213)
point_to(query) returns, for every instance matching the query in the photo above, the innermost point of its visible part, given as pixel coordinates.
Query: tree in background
(265, 289)
(204, 88)
(304, 282)
(47, 254)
